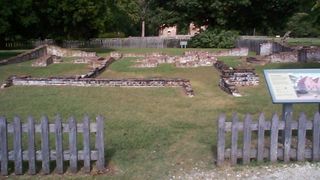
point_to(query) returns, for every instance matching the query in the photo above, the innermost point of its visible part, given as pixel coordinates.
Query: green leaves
(214, 39)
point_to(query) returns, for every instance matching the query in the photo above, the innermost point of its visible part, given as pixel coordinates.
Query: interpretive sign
(294, 85)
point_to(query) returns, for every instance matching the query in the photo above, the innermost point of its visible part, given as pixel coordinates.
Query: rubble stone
(84, 82)
(233, 77)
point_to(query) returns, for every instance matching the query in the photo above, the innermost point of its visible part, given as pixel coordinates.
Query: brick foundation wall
(87, 82)
(26, 56)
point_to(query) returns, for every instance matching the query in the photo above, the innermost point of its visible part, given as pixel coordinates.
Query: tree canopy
(83, 19)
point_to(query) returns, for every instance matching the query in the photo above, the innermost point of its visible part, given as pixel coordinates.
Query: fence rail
(130, 42)
(261, 139)
(45, 154)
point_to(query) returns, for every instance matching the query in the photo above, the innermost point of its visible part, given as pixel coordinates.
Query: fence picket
(17, 146)
(86, 144)
(316, 137)
(262, 151)
(261, 126)
(59, 145)
(31, 146)
(274, 138)
(4, 146)
(221, 139)
(234, 139)
(246, 139)
(73, 145)
(287, 137)
(100, 143)
(45, 152)
(301, 137)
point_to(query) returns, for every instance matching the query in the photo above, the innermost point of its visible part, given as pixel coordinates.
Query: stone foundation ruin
(90, 82)
(46, 55)
(231, 78)
(50, 54)
(274, 52)
(188, 59)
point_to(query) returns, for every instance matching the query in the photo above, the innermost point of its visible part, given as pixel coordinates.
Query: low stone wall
(116, 55)
(232, 52)
(43, 61)
(228, 88)
(283, 57)
(189, 59)
(26, 56)
(42, 53)
(63, 52)
(28, 81)
(98, 70)
(133, 55)
(232, 77)
(309, 55)
(262, 46)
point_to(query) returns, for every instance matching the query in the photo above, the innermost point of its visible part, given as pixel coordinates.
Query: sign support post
(287, 108)
(292, 86)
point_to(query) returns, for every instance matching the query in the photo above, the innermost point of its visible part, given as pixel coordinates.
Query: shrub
(214, 39)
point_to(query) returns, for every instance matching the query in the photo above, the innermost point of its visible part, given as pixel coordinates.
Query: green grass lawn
(151, 133)
(9, 53)
(304, 41)
(53, 70)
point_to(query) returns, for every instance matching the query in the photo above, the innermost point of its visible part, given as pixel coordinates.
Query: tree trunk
(143, 28)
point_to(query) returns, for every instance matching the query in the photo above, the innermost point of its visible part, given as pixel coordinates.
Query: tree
(315, 13)
(143, 6)
(266, 16)
(301, 25)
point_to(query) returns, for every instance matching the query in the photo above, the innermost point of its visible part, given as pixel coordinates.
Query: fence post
(261, 127)
(301, 137)
(17, 146)
(45, 152)
(234, 139)
(31, 146)
(73, 145)
(316, 137)
(4, 146)
(221, 139)
(287, 137)
(274, 138)
(100, 143)
(86, 144)
(59, 145)
(246, 139)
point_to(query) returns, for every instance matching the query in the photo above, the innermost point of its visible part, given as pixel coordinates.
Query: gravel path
(304, 171)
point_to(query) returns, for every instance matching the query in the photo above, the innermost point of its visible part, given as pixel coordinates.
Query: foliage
(301, 25)
(315, 13)
(267, 17)
(112, 35)
(214, 39)
(83, 19)
(66, 19)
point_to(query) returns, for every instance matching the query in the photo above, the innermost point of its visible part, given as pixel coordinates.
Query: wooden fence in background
(130, 42)
(45, 154)
(260, 140)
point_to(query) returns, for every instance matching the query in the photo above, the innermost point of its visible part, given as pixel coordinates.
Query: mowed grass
(9, 53)
(53, 70)
(150, 133)
(304, 41)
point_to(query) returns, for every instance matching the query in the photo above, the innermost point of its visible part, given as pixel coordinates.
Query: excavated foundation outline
(88, 79)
